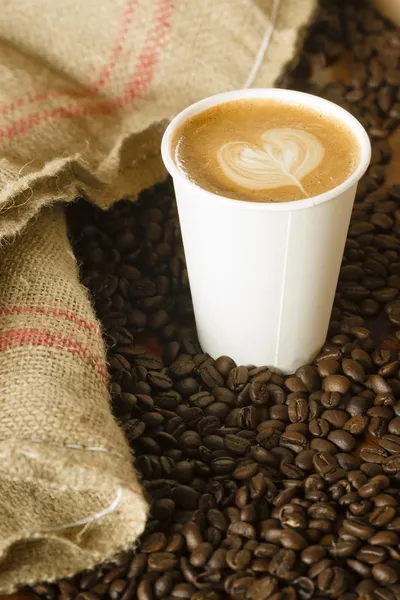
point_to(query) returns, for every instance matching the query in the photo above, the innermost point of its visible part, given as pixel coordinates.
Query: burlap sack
(86, 90)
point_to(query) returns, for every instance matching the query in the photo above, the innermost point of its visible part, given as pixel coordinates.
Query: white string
(86, 520)
(64, 445)
(263, 46)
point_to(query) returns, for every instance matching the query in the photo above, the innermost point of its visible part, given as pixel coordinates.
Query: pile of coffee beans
(260, 486)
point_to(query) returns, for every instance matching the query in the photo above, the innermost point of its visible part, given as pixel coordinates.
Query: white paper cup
(263, 275)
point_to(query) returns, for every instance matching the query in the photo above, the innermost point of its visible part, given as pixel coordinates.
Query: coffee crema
(263, 150)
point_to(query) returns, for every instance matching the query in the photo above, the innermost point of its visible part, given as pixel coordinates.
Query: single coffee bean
(321, 445)
(298, 410)
(263, 588)
(343, 439)
(238, 378)
(371, 554)
(336, 418)
(385, 538)
(394, 426)
(391, 443)
(162, 561)
(358, 529)
(328, 366)
(385, 574)
(332, 581)
(243, 529)
(391, 464)
(343, 548)
(155, 542)
(374, 486)
(330, 399)
(336, 383)
(372, 454)
(309, 376)
(319, 427)
(348, 462)
(293, 441)
(354, 370)
(236, 444)
(356, 425)
(224, 365)
(181, 368)
(238, 560)
(358, 405)
(304, 460)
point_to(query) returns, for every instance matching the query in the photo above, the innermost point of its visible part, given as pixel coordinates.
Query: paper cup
(263, 275)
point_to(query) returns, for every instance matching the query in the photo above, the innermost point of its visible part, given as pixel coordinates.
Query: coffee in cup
(265, 150)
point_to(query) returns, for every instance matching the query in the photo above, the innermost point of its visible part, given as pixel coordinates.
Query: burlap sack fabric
(86, 91)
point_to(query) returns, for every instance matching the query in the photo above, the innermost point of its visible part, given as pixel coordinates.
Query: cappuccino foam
(265, 151)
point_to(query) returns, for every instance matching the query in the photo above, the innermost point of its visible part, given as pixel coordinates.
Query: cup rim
(291, 96)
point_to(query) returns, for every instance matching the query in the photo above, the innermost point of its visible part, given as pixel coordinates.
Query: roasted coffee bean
(391, 443)
(356, 425)
(238, 560)
(155, 542)
(192, 535)
(342, 439)
(181, 368)
(258, 390)
(292, 540)
(358, 529)
(336, 383)
(332, 581)
(293, 440)
(372, 454)
(384, 538)
(237, 378)
(304, 460)
(343, 548)
(330, 399)
(371, 554)
(211, 376)
(348, 462)
(321, 445)
(201, 554)
(162, 561)
(358, 405)
(394, 426)
(385, 574)
(263, 588)
(224, 365)
(354, 370)
(328, 366)
(282, 562)
(319, 427)
(313, 554)
(335, 417)
(309, 377)
(236, 444)
(391, 464)
(185, 497)
(245, 471)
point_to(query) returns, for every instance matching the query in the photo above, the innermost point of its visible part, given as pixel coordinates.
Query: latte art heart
(284, 157)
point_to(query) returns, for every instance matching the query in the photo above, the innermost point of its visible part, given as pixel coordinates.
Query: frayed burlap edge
(65, 179)
(107, 483)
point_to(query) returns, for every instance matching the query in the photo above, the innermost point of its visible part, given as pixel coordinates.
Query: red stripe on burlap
(16, 338)
(156, 40)
(102, 78)
(50, 312)
(141, 79)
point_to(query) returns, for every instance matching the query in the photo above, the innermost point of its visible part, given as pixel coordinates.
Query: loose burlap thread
(87, 90)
